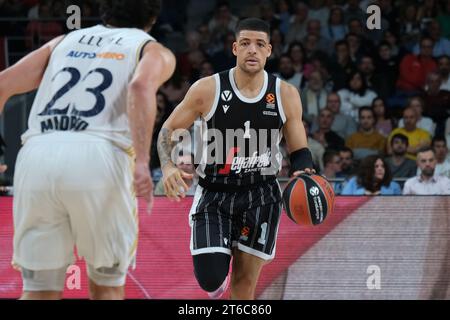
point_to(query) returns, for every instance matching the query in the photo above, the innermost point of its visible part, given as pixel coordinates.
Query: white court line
(144, 291)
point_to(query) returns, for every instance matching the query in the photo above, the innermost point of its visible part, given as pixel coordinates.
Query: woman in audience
(385, 124)
(374, 178)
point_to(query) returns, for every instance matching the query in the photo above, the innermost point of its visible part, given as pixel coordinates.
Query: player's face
(252, 48)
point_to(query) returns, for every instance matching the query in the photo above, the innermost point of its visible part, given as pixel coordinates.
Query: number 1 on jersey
(247, 130)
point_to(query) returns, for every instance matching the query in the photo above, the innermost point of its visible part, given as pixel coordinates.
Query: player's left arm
(26, 75)
(294, 131)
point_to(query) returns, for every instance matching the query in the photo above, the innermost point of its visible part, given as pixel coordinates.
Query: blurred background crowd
(376, 103)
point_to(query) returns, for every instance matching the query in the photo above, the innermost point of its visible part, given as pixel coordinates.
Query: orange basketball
(308, 199)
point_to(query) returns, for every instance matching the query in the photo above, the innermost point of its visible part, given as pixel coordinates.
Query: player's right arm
(155, 68)
(26, 75)
(196, 103)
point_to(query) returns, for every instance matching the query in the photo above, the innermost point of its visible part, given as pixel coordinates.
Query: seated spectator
(342, 65)
(298, 22)
(386, 70)
(332, 167)
(206, 69)
(298, 55)
(374, 178)
(399, 164)
(409, 26)
(441, 45)
(184, 162)
(336, 29)
(314, 28)
(414, 68)
(314, 96)
(288, 73)
(278, 48)
(444, 70)
(348, 162)
(417, 138)
(176, 88)
(317, 150)
(343, 124)
(425, 123)
(367, 140)
(225, 59)
(324, 135)
(356, 95)
(384, 124)
(427, 182)
(437, 101)
(439, 146)
(223, 21)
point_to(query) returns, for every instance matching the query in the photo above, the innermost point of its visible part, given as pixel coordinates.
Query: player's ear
(235, 44)
(269, 48)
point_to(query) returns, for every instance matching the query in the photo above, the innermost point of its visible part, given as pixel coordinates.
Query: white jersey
(85, 85)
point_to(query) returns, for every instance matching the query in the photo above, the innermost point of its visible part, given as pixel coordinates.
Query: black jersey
(241, 136)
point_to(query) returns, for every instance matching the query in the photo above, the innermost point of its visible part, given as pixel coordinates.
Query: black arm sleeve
(300, 160)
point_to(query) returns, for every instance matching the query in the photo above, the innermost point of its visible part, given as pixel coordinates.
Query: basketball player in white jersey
(86, 153)
(237, 206)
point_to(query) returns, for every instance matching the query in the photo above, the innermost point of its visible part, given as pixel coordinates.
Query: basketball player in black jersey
(236, 211)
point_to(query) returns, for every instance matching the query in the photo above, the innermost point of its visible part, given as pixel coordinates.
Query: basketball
(308, 199)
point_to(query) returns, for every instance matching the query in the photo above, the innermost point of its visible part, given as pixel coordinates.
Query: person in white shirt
(424, 123)
(439, 145)
(427, 183)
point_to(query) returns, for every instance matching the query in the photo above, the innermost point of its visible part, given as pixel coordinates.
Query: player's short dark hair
(130, 13)
(400, 137)
(252, 24)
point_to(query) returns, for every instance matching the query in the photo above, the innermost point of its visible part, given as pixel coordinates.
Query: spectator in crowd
(184, 162)
(332, 169)
(343, 124)
(298, 56)
(439, 146)
(397, 50)
(415, 68)
(40, 31)
(374, 178)
(298, 23)
(225, 59)
(427, 182)
(193, 44)
(336, 28)
(384, 123)
(223, 21)
(425, 123)
(324, 135)
(267, 13)
(317, 149)
(444, 70)
(427, 11)
(436, 101)
(348, 162)
(387, 70)
(399, 164)
(288, 73)
(206, 69)
(176, 88)
(441, 45)
(444, 20)
(355, 95)
(367, 140)
(352, 10)
(319, 62)
(314, 27)
(355, 46)
(317, 11)
(409, 26)
(278, 48)
(284, 14)
(417, 138)
(342, 65)
(314, 96)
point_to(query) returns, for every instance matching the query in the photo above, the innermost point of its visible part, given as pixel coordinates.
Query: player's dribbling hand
(3, 168)
(143, 184)
(173, 180)
(307, 171)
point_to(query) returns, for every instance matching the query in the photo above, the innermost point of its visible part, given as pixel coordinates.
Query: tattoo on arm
(165, 147)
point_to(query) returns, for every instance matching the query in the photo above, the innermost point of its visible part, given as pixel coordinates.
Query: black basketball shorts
(248, 220)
